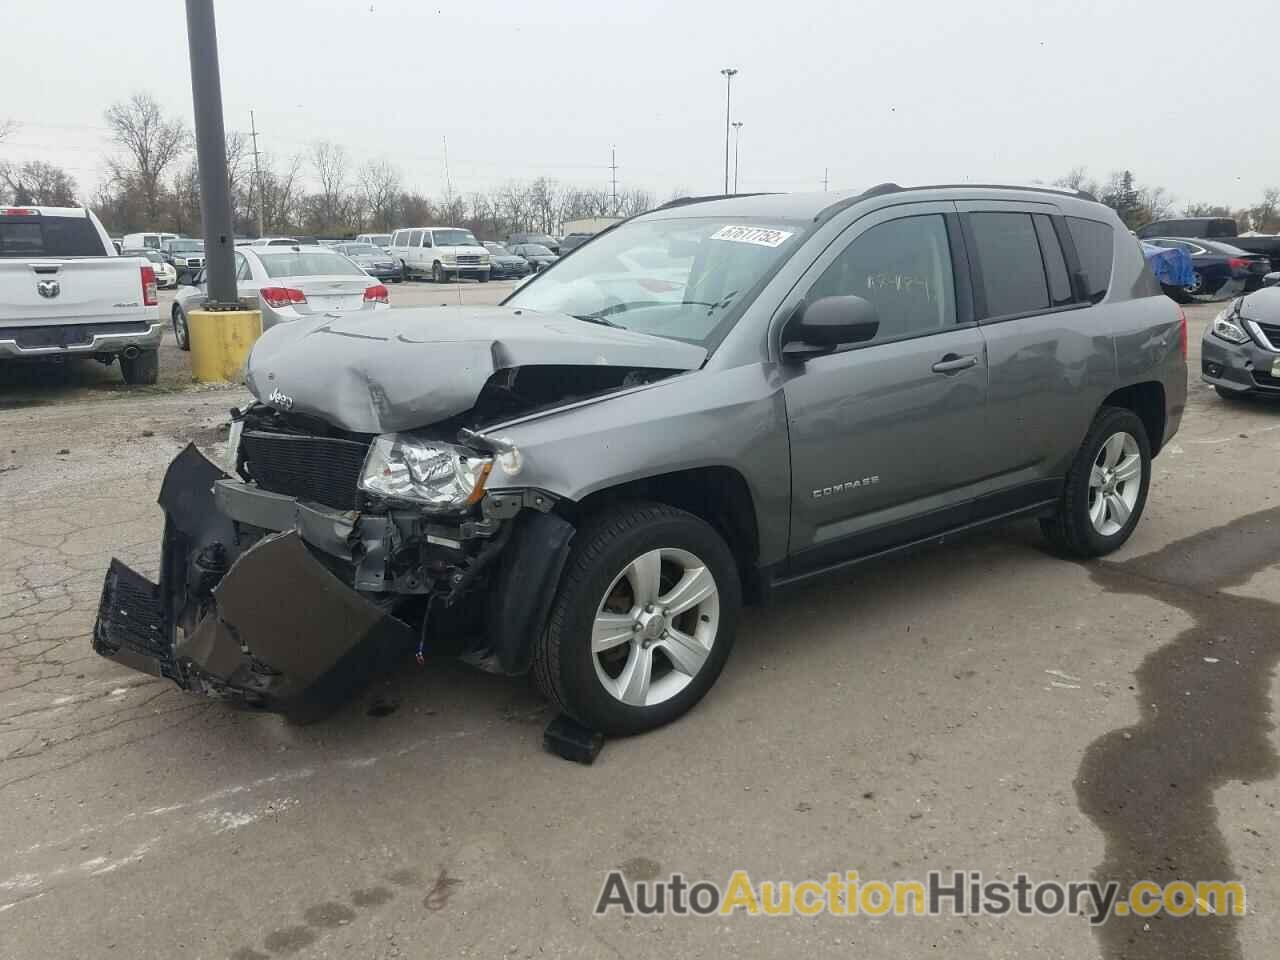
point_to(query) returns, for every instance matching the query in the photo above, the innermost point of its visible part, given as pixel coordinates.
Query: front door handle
(954, 363)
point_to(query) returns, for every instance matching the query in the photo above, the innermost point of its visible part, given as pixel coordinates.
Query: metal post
(211, 155)
(737, 141)
(728, 84)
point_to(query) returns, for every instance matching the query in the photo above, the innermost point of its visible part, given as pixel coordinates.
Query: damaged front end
(289, 585)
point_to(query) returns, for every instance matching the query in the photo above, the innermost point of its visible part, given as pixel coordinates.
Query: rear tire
(142, 370)
(586, 665)
(1099, 510)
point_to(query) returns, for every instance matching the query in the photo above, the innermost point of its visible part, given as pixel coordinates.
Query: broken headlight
(439, 476)
(1225, 325)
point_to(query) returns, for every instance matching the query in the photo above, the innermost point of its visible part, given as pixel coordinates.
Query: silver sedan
(287, 283)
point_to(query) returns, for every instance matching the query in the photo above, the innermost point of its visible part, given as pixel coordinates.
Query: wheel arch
(1147, 400)
(717, 494)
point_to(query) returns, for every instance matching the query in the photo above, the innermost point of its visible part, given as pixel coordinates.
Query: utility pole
(825, 172)
(737, 141)
(257, 172)
(211, 155)
(614, 167)
(448, 184)
(729, 73)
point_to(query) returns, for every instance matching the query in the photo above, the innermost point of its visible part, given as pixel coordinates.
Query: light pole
(737, 141)
(728, 73)
(211, 155)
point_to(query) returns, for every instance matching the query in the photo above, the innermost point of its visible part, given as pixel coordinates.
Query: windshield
(381, 239)
(362, 250)
(681, 279)
(186, 246)
(454, 238)
(497, 249)
(535, 250)
(307, 263)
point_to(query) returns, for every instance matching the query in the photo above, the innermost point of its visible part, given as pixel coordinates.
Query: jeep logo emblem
(281, 400)
(48, 288)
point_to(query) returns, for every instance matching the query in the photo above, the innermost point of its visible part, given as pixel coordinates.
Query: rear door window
(1013, 276)
(415, 238)
(1095, 243)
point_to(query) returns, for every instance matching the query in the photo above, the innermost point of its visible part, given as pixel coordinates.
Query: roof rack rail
(889, 187)
(684, 201)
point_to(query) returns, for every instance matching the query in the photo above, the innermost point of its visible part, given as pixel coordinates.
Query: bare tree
(415, 210)
(151, 143)
(380, 188)
(329, 205)
(37, 183)
(7, 127)
(1265, 215)
(634, 202)
(282, 198)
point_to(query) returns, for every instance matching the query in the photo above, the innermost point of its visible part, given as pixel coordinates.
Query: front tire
(643, 620)
(1106, 487)
(437, 273)
(142, 370)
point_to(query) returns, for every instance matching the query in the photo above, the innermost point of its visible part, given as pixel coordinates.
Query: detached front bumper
(287, 602)
(259, 616)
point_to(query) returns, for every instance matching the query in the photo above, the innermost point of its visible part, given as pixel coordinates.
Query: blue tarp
(1171, 267)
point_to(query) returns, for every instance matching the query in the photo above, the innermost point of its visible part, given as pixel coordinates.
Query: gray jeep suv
(708, 402)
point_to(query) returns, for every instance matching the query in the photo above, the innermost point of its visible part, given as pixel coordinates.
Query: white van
(146, 241)
(441, 253)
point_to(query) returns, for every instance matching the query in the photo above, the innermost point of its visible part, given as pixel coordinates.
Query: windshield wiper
(593, 318)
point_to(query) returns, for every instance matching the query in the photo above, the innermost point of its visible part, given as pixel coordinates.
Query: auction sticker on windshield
(761, 236)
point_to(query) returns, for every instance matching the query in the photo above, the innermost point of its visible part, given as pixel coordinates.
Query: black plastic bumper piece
(130, 627)
(526, 585)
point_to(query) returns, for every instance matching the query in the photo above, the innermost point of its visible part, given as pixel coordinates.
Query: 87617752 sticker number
(760, 236)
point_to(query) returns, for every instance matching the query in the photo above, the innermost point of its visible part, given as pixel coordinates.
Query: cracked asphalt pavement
(977, 706)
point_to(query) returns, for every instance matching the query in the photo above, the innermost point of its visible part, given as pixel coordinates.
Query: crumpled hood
(402, 369)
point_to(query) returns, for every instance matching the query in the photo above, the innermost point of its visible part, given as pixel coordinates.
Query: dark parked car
(1220, 270)
(1240, 351)
(549, 242)
(538, 256)
(1215, 228)
(583, 481)
(374, 260)
(505, 265)
(573, 241)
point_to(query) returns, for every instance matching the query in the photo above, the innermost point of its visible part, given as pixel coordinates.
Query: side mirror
(818, 328)
(1271, 280)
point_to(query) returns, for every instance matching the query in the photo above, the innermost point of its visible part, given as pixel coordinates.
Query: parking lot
(981, 705)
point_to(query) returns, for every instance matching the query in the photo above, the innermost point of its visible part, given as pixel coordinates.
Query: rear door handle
(953, 363)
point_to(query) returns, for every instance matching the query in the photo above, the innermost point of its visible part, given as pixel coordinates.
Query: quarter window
(242, 267)
(1013, 275)
(1094, 245)
(903, 267)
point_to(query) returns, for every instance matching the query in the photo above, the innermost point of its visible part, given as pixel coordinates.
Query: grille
(469, 260)
(322, 469)
(1272, 332)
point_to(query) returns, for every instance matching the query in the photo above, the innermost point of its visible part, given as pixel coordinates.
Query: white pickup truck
(65, 292)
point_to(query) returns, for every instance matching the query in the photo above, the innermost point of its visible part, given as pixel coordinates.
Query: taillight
(1182, 332)
(377, 294)
(282, 296)
(1235, 263)
(149, 297)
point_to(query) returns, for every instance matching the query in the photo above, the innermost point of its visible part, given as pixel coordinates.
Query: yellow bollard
(220, 342)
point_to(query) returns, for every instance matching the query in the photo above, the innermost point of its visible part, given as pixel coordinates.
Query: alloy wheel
(1114, 483)
(655, 627)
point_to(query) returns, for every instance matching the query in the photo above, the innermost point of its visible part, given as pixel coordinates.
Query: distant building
(591, 225)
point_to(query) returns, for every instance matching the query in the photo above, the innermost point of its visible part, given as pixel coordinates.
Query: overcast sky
(915, 91)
